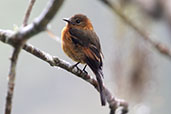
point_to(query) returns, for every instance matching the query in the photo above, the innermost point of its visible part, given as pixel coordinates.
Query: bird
(82, 45)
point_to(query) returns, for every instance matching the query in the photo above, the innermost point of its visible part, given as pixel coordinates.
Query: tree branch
(19, 38)
(40, 22)
(12, 73)
(163, 49)
(113, 102)
(28, 12)
(11, 82)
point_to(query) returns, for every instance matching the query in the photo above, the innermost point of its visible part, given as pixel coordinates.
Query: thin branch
(26, 17)
(12, 73)
(162, 48)
(40, 22)
(11, 82)
(113, 102)
(19, 38)
(14, 58)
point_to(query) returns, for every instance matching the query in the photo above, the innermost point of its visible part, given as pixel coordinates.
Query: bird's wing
(85, 37)
(93, 55)
(90, 41)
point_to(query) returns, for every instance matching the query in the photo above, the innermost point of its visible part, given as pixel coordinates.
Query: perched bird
(81, 44)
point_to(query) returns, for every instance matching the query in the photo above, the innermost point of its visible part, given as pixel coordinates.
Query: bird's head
(79, 21)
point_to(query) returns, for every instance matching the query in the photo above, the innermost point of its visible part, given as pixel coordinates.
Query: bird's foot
(75, 65)
(84, 69)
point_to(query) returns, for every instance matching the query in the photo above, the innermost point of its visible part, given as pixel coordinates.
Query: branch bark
(11, 82)
(28, 12)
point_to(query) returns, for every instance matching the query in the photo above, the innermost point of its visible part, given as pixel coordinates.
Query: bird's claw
(85, 70)
(75, 65)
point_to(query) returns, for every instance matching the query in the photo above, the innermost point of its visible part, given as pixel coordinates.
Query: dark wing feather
(76, 41)
(86, 37)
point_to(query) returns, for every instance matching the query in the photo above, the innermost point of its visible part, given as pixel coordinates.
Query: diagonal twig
(40, 23)
(28, 12)
(162, 48)
(11, 82)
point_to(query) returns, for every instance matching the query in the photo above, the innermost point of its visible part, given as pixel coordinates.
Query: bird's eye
(78, 21)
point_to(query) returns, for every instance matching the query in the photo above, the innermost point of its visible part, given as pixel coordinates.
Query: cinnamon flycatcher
(81, 44)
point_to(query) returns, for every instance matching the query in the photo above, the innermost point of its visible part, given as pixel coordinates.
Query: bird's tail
(94, 61)
(99, 76)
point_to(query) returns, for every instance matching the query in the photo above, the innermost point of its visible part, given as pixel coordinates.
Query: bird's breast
(75, 52)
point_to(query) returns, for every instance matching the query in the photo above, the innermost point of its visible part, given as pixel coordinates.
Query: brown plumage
(81, 44)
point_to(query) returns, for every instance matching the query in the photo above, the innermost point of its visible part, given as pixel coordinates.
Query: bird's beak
(67, 20)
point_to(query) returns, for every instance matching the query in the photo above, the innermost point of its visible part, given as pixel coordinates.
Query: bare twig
(28, 12)
(11, 82)
(19, 38)
(26, 17)
(12, 73)
(40, 22)
(157, 45)
(114, 103)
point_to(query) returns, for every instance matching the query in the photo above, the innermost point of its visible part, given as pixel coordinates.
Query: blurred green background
(42, 89)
